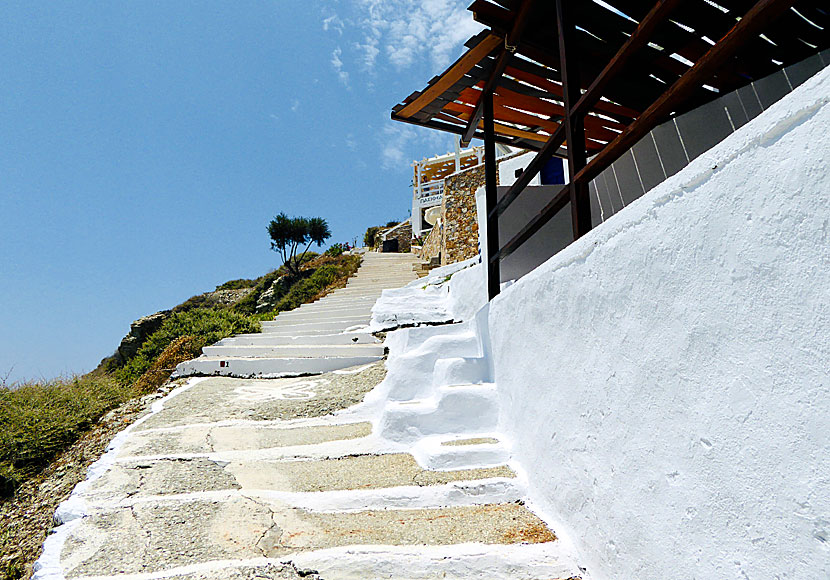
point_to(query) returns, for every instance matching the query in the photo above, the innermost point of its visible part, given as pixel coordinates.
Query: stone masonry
(402, 232)
(458, 211)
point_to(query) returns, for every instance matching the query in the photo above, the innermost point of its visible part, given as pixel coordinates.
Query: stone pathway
(245, 478)
(325, 335)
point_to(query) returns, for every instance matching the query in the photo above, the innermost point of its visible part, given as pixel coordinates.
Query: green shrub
(39, 420)
(198, 301)
(370, 236)
(323, 277)
(237, 284)
(208, 324)
(308, 288)
(335, 250)
(247, 305)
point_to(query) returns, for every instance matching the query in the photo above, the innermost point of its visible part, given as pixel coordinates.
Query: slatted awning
(528, 99)
(589, 78)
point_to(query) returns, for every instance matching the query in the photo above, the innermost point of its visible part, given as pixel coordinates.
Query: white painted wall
(667, 377)
(507, 168)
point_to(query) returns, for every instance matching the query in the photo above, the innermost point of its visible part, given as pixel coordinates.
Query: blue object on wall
(553, 172)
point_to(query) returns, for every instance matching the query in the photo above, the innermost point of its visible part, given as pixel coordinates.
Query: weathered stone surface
(152, 537)
(352, 472)
(268, 300)
(220, 399)
(206, 439)
(459, 220)
(403, 233)
(432, 244)
(140, 330)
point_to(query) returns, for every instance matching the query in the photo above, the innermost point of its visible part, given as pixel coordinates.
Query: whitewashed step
(322, 317)
(457, 562)
(457, 409)
(466, 451)
(265, 339)
(276, 331)
(268, 367)
(323, 306)
(270, 325)
(305, 350)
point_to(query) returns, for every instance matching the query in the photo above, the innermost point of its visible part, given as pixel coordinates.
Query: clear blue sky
(145, 145)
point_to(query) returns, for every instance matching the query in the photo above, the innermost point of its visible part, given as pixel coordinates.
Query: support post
(574, 123)
(491, 193)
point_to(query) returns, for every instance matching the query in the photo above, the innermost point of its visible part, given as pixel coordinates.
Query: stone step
(384, 283)
(312, 316)
(310, 327)
(337, 324)
(272, 339)
(307, 350)
(325, 304)
(355, 298)
(276, 331)
(493, 562)
(147, 538)
(440, 452)
(212, 439)
(161, 477)
(457, 409)
(268, 366)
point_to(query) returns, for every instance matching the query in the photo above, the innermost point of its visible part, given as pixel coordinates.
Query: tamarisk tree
(288, 235)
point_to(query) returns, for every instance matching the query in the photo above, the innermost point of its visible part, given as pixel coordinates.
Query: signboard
(431, 199)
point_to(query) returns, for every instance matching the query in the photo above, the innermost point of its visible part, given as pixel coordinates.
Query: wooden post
(490, 191)
(574, 123)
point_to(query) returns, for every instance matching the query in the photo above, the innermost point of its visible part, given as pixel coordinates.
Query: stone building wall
(432, 244)
(458, 212)
(403, 233)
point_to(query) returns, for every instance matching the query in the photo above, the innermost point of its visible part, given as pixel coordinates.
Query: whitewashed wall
(666, 376)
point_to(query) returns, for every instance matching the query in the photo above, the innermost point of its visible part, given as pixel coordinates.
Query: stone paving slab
(237, 438)
(148, 538)
(351, 473)
(161, 477)
(224, 398)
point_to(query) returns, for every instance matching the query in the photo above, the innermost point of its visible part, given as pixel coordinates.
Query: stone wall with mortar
(458, 213)
(432, 244)
(403, 233)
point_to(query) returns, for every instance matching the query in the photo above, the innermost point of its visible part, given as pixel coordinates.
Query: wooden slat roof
(528, 102)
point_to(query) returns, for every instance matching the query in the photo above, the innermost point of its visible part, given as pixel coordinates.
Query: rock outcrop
(140, 330)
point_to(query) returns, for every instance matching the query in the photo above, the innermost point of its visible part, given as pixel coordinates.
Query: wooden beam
(464, 112)
(490, 195)
(611, 109)
(574, 123)
(471, 58)
(764, 13)
(638, 39)
(445, 125)
(510, 43)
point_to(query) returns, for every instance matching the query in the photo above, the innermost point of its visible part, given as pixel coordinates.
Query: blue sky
(144, 146)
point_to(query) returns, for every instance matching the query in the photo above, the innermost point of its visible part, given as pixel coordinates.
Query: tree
(290, 234)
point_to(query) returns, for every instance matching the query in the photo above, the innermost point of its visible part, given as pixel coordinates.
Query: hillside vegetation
(39, 420)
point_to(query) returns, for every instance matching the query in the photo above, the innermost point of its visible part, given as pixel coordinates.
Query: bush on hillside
(335, 250)
(208, 324)
(324, 276)
(370, 236)
(237, 284)
(39, 420)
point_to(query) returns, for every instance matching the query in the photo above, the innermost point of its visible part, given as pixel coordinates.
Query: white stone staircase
(323, 336)
(450, 422)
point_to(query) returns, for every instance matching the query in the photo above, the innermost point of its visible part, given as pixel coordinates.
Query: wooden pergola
(587, 79)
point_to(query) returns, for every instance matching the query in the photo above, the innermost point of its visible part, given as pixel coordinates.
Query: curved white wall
(667, 375)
